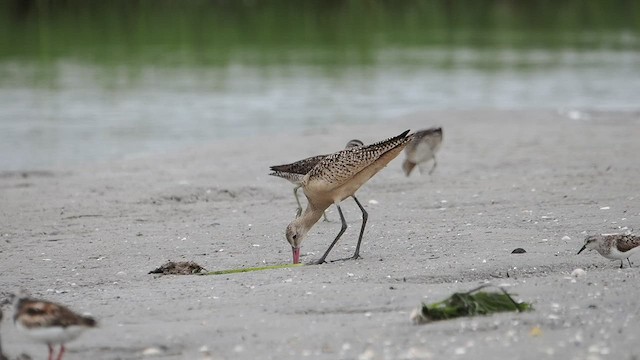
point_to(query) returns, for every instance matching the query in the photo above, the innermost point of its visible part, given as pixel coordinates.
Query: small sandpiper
(422, 149)
(50, 323)
(613, 246)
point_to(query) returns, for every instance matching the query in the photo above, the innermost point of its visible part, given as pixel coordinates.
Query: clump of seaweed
(471, 303)
(179, 268)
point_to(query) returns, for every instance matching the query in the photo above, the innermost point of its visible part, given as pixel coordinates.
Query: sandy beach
(538, 180)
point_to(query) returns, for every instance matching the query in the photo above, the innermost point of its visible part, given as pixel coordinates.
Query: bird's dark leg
(342, 229)
(629, 260)
(295, 193)
(365, 216)
(622, 263)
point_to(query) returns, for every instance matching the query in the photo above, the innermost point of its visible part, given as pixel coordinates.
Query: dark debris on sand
(179, 268)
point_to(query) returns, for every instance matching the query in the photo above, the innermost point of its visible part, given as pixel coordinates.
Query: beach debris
(535, 331)
(179, 268)
(152, 351)
(578, 273)
(471, 303)
(519, 251)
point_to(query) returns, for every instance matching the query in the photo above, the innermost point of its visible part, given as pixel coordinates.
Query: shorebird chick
(294, 172)
(335, 178)
(613, 246)
(422, 149)
(50, 323)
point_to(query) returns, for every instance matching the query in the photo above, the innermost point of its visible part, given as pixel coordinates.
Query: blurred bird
(2, 356)
(613, 246)
(49, 323)
(294, 172)
(422, 149)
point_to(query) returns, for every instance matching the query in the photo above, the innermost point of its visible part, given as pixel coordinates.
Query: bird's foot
(354, 257)
(317, 262)
(298, 212)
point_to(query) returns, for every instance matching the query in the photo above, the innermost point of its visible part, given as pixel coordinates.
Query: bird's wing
(628, 242)
(299, 167)
(335, 169)
(292, 177)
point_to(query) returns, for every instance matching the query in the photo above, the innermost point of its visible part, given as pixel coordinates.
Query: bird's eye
(295, 236)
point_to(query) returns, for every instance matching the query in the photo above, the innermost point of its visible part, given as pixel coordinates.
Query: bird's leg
(61, 352)
(295, 193)
(324, 215)
(621, 263)
(50, 351)
(629, 260)
(342, 229)
(365, 216)
(435, 163)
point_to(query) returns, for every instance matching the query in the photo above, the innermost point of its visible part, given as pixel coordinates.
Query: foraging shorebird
(335, 178)
(50, 323)
(613, 246)
(294, 172)
(422, 149)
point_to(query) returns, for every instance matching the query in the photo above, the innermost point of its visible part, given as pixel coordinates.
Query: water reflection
(92, 81)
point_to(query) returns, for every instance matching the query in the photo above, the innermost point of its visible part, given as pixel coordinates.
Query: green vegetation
(320, 32)
(472, 303)
(242, 270)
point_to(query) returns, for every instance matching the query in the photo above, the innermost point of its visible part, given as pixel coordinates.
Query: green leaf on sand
(234, 271)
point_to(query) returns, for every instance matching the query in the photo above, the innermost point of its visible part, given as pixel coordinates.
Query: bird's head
(296, 232)
(590, 243)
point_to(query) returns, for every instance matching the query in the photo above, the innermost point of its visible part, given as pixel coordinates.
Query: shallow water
(83, 84)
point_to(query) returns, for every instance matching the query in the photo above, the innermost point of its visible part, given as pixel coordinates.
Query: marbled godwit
(294, 172)
(50, 323)
(613, 246)
(421, 149)
(335, 178)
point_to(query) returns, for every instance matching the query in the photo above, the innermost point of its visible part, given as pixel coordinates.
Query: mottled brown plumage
(39, 313)
(336, 177)
(296, 171)
(301, 167)
(627, 242)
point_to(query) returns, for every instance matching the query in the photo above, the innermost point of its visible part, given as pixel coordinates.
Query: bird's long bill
(583, 247)
(296, 255)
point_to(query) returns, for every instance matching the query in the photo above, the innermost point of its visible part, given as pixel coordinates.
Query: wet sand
(539, 180)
